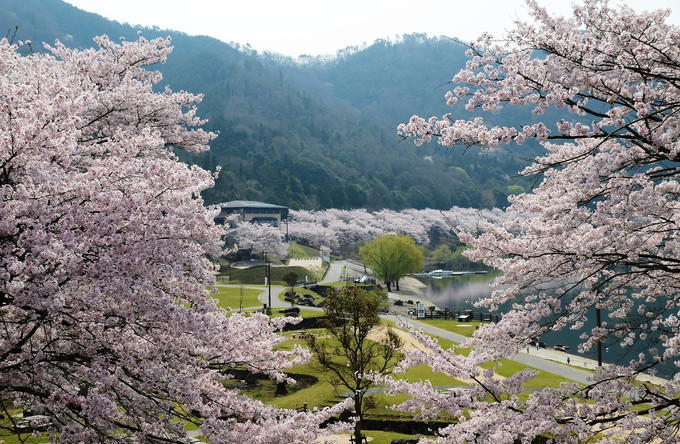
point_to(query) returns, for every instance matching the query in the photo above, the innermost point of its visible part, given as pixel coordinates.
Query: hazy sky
(294, 27)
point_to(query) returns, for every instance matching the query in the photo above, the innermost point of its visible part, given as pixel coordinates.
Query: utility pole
(268, 271)
(598, 320)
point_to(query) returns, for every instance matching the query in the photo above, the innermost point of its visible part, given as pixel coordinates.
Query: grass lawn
(25, 439)
(320, 394)
(307, 313)
(324, 393)
(509, 367)
(231, 297)
(384, 403)
(335, 284)
(255, 275)
(7, 438)
(543, 379)
(424, 372)
(462, 328)
(300, 251)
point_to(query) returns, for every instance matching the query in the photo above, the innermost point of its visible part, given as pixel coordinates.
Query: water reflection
(459, 293)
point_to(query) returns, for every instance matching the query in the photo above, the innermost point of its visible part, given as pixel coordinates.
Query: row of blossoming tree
(347, 229)
(338, 228)
(599, 235)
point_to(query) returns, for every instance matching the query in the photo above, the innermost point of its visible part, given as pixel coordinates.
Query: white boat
(438, 274)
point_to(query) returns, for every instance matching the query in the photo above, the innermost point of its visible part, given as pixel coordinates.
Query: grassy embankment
(507, 367)
(256, 275)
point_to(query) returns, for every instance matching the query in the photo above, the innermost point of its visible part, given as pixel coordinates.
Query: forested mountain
(311, 133)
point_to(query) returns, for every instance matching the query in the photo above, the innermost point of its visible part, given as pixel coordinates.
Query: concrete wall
(306, 262)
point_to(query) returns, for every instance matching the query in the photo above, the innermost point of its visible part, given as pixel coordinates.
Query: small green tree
(348, 354)
(459, 261)
(392, 256)
(290, 278)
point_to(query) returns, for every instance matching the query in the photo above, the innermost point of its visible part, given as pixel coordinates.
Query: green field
(323, 393)
(236, 297)
(314, 388)
(297, 251)
(255, 275)
(21, 439)
(7, 438)
(379, 437)
(466, 328)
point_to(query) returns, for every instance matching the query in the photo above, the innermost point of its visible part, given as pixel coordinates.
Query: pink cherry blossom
(261, 239)
(107, 327)
(598, 233)
(341, 228)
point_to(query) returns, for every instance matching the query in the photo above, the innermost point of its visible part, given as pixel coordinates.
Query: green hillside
(313, 135)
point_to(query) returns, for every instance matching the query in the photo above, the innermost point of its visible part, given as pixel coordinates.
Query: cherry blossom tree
(599, 235)
(106, 326)
(312, 234)
(261, 239)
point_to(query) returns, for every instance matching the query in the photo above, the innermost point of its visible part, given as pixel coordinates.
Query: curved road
(531, 360)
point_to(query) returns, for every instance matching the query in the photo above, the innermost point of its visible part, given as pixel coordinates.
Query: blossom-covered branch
(106, 324)
(594, 248)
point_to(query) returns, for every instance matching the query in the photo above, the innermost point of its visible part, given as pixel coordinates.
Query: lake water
(459, 293)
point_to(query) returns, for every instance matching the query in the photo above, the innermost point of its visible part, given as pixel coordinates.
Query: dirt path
(409, 343)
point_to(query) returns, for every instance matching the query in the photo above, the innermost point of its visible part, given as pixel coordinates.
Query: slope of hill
(314, 135)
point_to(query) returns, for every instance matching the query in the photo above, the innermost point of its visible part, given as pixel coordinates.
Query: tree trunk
(358, 408)
(357, 432)
(397, 284)
(281, 389)
(388, 284)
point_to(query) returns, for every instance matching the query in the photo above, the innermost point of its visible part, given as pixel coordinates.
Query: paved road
(264, 296)
(277, 302)
(339, 270)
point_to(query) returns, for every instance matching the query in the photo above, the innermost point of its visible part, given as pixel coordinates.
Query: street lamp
(269, 283)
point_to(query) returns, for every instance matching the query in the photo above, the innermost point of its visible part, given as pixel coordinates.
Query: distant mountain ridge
(313, 135)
